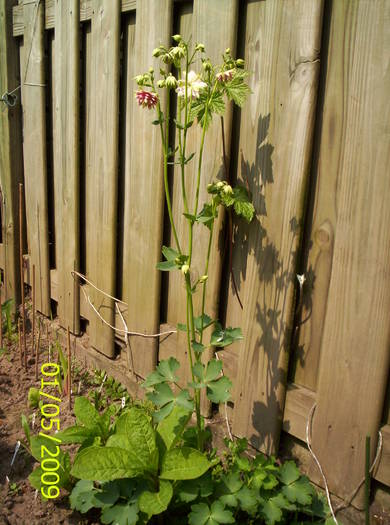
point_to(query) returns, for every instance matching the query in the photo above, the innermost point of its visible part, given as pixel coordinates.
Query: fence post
(11, 158)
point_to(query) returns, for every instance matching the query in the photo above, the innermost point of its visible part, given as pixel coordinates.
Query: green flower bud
(177, 52)
(206, 65)
(156, 52)
(228, 189)
(177, 38)
(240, 62)
(161, 84)
(199, 47)
(227, 50)
(151, 70)
(139, 79)
(171, 82)
(220, 185)
(210, 187)
(167, 58)
(185, 269)
(203, 279)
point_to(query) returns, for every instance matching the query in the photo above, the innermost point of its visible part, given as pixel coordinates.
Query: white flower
(194, 85)
(185, 269)
(301, 279)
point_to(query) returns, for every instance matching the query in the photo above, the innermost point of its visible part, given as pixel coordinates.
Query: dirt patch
(20, 504)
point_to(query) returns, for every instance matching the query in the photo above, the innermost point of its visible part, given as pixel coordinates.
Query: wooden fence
(313, 144)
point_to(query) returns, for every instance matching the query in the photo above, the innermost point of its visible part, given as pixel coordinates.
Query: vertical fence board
(34, 135)
(214, 25)
(66, 158)
(11, 156)
(144, 194)
(354, 361)
(101, 168)
(282, 42)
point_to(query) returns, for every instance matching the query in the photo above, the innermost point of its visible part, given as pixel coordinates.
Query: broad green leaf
(222, 338)
(198, 347)
(161, 395)
(207, 321)
(82, 497)
(289, 472)
(248, 500)
(35, 478)
(63, 472)
(271, 512)
(165, 372)
(86, 414)
(236, 89)
(152, 503)
(171, 428)
(182, 327)
(228, 487)
(202, 514)
(169, 253)
(138, 436)
(190, 489)
(166, 266)
(76, 434)
(105, 464)
(214, 368)
(219, 391)
(120, 514)
(242, 204)
(184, 463)
(38, 441)
(299, 491)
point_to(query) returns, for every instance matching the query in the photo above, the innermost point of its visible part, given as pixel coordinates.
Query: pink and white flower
(194, 85)
(146, 99)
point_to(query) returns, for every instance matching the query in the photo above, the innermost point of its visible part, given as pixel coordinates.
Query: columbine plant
(200, 95)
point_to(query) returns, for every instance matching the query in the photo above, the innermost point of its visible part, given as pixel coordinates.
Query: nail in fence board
(214, 24)
(66, 158)
(33, 80)
(102, 167)
(11, 154)
(281, 46)
(354, 362)
(144, 194)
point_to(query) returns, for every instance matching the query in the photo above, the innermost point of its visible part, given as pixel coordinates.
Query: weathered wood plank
(66, 158)
(34, 149)
(355, 355)
(299, 401)
(86, 7)
(11, 164)
(102, 166)
(144, 195)
(282, 42)
(214, 24)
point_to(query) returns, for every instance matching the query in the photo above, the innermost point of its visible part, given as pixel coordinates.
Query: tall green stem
(206, 271)
(165, 145)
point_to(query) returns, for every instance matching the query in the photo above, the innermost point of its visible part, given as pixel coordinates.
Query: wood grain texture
(34, 149)
(86, 8)
(66, 158)
(281, 47)
(214, 24)
(144, 196)
(11, 163)
(102, 166)
(354, 361)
